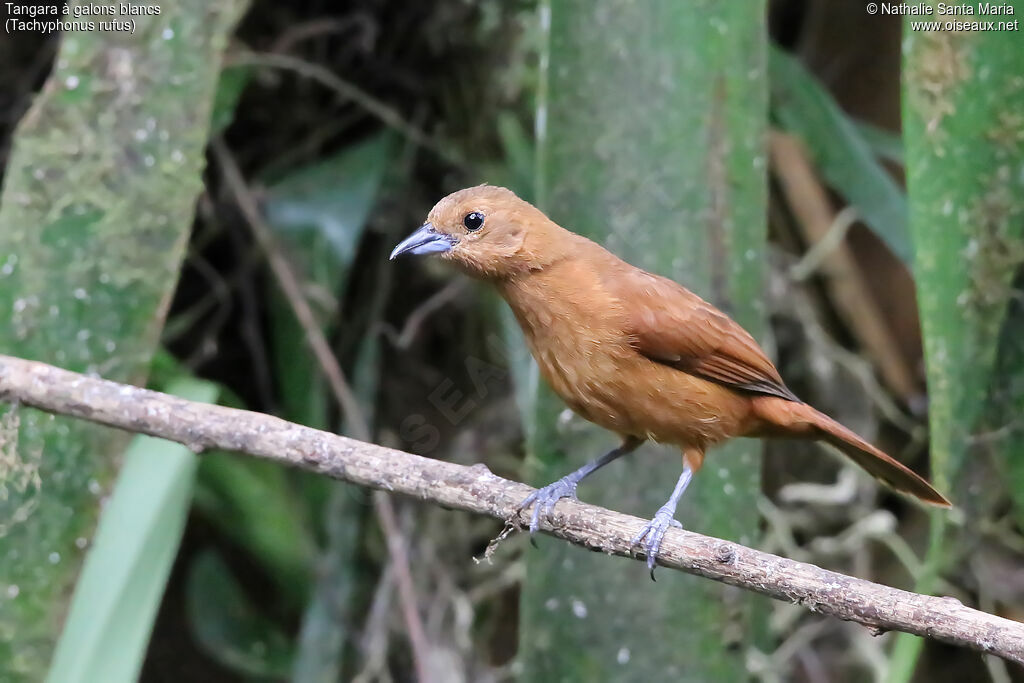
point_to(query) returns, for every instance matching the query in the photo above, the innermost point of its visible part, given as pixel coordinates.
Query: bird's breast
(578, 338)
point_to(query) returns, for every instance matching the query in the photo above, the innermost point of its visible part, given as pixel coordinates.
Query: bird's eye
(473, 221)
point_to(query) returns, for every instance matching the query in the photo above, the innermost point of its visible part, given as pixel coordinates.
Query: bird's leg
(545, 498)
(655, 530)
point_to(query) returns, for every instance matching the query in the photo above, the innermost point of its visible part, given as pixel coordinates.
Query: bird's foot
(544, 499)
(650, 536)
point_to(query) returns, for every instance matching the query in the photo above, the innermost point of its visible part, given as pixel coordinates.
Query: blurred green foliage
(229, 627)
(94, 217)
(318, 214)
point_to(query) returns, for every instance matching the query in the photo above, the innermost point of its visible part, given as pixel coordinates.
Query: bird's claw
(544, 499)
(654, 532)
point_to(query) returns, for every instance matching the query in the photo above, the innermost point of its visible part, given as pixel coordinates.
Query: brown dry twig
(476, 489)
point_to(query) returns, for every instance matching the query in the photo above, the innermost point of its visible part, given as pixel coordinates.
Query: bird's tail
(800, 419)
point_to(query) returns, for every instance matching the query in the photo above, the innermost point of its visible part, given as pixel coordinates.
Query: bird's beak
(426, 240)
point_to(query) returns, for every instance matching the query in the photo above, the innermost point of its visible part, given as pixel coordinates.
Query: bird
(632, 351)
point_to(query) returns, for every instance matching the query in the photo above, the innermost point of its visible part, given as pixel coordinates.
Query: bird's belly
(586, 384)
(671, 406)
(630, 394)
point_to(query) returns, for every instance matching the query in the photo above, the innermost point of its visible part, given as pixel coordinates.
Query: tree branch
(476, 489)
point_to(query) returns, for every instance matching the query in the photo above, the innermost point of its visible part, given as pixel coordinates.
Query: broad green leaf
(116, 599)
(837, 146)
(95, 211)
(651, 140)
(229, 627)
(962, 101)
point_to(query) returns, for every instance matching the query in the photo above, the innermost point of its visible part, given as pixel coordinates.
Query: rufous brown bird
(633, 352)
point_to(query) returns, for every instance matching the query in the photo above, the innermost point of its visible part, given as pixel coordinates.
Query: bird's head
(486, 231)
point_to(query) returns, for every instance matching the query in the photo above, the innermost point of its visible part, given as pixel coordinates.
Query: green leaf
(117, 597)
(884, 143)
(678, 190)
(838, 148)
(324, 207)
(95, 213)
(254, 503)
(232, 83)
(516, 168)
(229, 627)
(962, 103)
(326, 621)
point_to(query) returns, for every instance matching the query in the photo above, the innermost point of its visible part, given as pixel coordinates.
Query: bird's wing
(671, 325)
